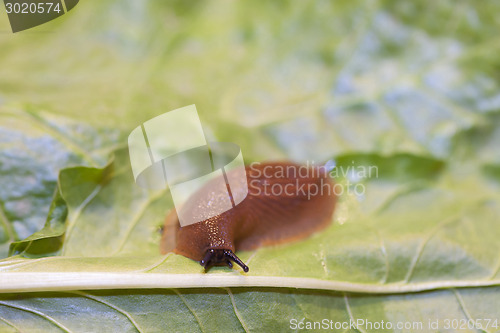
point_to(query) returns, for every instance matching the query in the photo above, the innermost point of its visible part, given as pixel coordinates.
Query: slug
(285, 202)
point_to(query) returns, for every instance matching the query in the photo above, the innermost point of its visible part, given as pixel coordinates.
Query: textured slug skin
(261, 218)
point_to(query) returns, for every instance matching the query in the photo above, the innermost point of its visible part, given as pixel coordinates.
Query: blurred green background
(282, 79)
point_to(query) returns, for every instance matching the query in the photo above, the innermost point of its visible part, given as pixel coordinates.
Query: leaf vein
(348, 308)
(156, 264)
(114, 307)
(190, 309)
(461, 302)
(11, 233)
(136, 218)
(36, 120)
(36, 312)
(78, 211)
(495, 270)
(236, 312)
(423, 244)
(8, 322)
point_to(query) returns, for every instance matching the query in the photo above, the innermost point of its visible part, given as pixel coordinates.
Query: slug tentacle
(237, 260)
(221, 256)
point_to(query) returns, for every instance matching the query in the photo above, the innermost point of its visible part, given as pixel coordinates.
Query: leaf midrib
(44, 281)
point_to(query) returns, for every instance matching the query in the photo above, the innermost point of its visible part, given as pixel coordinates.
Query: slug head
(221, 257)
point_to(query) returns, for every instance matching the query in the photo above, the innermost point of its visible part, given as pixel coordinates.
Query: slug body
(285, 202)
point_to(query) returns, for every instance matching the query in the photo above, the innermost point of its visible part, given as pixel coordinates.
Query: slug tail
(169, 236)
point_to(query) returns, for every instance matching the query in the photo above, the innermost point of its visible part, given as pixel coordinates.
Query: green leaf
(240, 310)
(405, 90)
(409, 229)
(48, 240)
(33, 148)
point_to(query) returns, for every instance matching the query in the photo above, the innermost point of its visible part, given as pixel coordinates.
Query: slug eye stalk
(221, 257)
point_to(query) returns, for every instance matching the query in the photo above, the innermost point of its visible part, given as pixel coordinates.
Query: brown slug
(285, 202)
